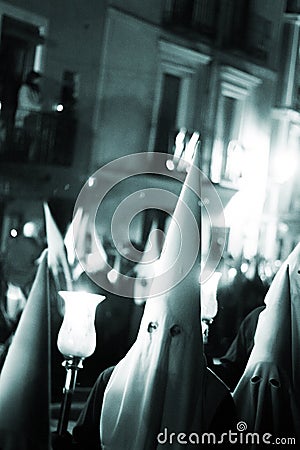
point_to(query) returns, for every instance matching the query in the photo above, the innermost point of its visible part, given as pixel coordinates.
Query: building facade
(129, 77)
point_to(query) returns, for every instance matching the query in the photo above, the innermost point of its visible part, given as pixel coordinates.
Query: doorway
(19, 40)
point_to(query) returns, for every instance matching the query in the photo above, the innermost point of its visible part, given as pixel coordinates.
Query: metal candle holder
(72, 365)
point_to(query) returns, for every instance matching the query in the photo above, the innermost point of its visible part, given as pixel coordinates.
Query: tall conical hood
(267, 395)
(277, 338)
(90, 253)
(97, 258)
(25, 377)
(159, 383)
(69, 239)
(57, 258)
(175, 289)
(145, 269)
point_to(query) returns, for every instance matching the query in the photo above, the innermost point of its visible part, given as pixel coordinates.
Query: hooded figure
(145, 269)
(162, 385)
(25, 377)
(57, 257)
(83, 247)
(267, 396)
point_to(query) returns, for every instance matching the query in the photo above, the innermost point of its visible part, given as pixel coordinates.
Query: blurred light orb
(170, 165)
(244, 267)
(112, 276)
(232, 273)
(30, 229)
(91, 181)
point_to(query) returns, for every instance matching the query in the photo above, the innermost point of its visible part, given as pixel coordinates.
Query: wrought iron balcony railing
(45, 138)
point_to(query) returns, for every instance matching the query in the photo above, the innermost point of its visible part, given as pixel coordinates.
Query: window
(177, 90)
(227, 155)
(22, 36)
(167, 111)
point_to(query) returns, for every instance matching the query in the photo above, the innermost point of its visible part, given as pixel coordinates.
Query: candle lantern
(76, 341)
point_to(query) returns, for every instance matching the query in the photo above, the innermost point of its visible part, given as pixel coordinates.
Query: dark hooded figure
(233, 363)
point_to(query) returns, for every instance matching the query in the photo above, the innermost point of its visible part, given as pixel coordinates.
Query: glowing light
(191, 147)
(179, 142)
(188, 153)
(268, 270)
(216, 162)
(91, 181)
(234, 209)
(114, 273)
(13, 232)
(209, 304)
(77, 335)
(170, 165)
(59, 107)
(235, 162)
(30, 229)
(283, 227)
(112, 276)
(284, 166)
(244, 267)
(232, 273)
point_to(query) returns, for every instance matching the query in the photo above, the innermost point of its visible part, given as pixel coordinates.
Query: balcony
(230, 25)
(293, 6)
(197, 17)
(47, 138)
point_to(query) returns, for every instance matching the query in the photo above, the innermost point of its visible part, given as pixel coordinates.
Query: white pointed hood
(145, 269)
(57, 258)
(267, 395)
(25, 377)
(89, 250)
(69, 240)
(160, 382)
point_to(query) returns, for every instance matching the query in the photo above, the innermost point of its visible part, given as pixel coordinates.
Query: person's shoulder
(103, 379)
(256, 311)
(106, 374)
(216, 390)
(215, 385)
(252, 316)
(219, 405)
